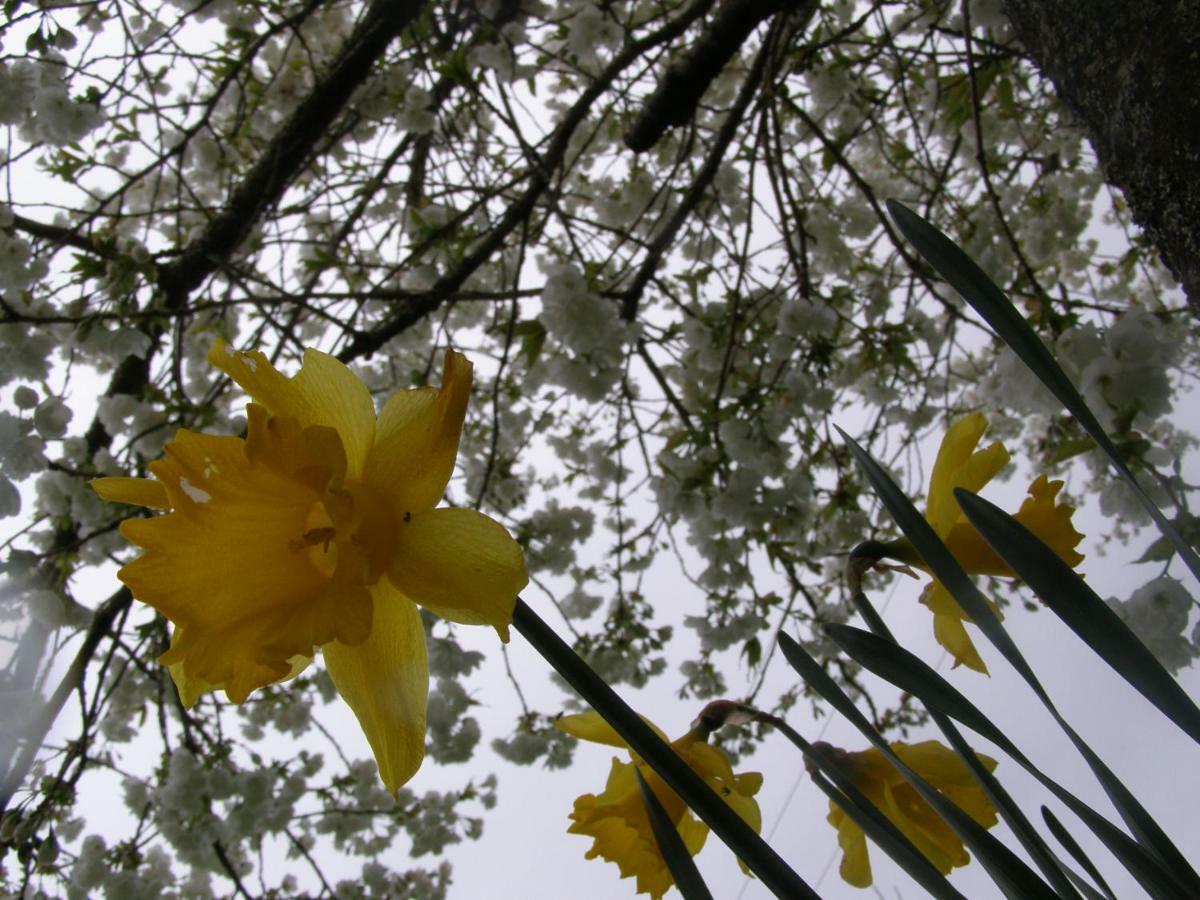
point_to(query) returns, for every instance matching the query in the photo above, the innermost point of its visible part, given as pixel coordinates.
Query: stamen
(312, 538)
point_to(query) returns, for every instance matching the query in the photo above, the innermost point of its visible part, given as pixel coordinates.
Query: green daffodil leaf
(909, 673)
(1070, 598)
(677, 857)
(989, 301)
(1013, 876)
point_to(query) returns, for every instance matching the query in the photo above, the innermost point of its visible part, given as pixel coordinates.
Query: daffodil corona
(959, 464)
(898, 800)
(617, 819)
(319, 530)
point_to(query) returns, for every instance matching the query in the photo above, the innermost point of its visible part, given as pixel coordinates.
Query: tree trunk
(1130, 73)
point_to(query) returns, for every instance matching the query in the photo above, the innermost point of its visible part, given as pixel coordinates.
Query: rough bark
(1129, 72)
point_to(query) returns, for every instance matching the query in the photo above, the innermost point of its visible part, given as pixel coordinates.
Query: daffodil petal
(952, 634)
(958, 464)
(190, 689)
(973, 553)
(943, 767)
(736, 790)
(416, 440)
(705, 760)
(590, 726)
(385, 680)
(617, 822)
(324, 392)
(958, 443)
(693, 832)
(744, 805)
(461, 565)
(855, 868)
(229, 568)
(135, 491)
(936, 762)
(617, 819)
(923, 827)
(886, 788)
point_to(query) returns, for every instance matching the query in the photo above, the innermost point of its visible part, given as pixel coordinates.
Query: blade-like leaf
(946, 569)
(867, 816)
(1049, 864)
(758, 856)
(913, 675)
(1072, 846)
(679, 862)
(940, 560)
(961, 272)
(1010, 873)
(1070, 598)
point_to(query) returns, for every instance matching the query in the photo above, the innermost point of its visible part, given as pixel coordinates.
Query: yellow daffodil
(959, 464)
(895, 798)
(617, 818)
(319, 530)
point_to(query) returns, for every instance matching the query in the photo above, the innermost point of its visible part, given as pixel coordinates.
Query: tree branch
(291, 148)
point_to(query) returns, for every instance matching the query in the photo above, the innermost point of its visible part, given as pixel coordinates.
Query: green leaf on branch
(533, 337)
(1071, 448)
(1159, 551)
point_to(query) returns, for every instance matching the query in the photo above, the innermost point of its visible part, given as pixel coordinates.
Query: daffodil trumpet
(319, 530)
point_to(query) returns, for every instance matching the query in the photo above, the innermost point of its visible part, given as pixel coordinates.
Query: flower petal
(741, 798)
(385, 680)
(937, 764)
(191, 689)
(620, 826)
(324, 392)
(973, 553)
(135, 491)
(693, 832)
(936, 840)
(948, 619)
(617, 818)
(416, 440)
(856, 864)
(886, 788)
(945, 769)
(1051, 522)
(958, 464)
(590, 726)
(230, 568)
(461, 565)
